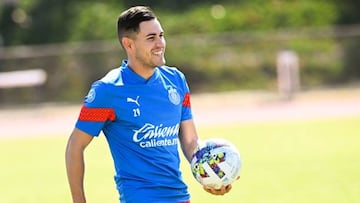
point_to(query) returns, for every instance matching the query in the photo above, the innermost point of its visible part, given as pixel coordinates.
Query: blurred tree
(7, 24)
(50, 21)
(349, 14)
(175, 5)
(348, 11)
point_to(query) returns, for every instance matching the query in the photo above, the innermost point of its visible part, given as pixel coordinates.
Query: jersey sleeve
(96, 110)
(186, 103)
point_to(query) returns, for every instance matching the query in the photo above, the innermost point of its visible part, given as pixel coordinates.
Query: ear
(127, 43)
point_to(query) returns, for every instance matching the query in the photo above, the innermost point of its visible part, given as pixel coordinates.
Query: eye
(151, 38)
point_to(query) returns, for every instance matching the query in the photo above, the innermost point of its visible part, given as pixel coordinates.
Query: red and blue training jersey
(140, 120)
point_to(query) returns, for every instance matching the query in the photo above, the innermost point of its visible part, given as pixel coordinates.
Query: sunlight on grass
(307, 161)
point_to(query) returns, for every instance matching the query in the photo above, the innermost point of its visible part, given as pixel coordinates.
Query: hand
(223, 190)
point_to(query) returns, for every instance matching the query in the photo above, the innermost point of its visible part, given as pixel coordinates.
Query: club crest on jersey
(90, 96)
(174, 96)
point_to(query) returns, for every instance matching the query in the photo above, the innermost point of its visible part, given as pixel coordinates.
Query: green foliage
(94, 21)
(61, 21)
(219, 45)
(348, 11)
(251, 16)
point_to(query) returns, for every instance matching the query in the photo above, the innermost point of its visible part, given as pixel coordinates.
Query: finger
(220, 191)
(208, 189)
(228, 188)
(214, 191)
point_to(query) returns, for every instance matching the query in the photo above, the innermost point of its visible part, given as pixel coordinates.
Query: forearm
(75, 173)
(188, 138)
(189, 149)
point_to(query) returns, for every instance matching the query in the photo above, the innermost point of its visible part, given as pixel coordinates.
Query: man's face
(150, 44)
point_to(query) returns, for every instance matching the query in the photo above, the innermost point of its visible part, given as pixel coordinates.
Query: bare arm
(188, 138)
(75, 166)
(189, 142)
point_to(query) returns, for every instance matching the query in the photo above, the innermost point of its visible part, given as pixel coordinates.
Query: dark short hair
(130, 19)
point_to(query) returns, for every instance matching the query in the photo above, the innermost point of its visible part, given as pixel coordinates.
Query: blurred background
(61, 47)
(252, 66)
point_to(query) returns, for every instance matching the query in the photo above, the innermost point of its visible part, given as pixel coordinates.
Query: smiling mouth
(158, 53)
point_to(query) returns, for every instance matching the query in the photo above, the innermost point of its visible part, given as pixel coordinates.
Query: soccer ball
(216, 163)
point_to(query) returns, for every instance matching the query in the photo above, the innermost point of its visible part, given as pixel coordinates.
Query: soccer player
(143, 109)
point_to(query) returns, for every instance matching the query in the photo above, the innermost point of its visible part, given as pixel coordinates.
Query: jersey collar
(131, 77)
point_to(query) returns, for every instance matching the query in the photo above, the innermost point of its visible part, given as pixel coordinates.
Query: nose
(161, 42)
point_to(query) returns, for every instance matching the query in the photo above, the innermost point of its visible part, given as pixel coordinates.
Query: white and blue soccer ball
(216, 163)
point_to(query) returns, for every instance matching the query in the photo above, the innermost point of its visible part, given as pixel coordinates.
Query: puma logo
(136, 101)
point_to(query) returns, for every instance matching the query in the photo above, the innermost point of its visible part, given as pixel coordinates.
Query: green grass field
(299, 161)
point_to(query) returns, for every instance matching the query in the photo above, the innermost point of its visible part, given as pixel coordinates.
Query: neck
(143, 71)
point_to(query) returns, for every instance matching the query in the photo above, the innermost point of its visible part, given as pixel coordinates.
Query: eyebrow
(153, 34)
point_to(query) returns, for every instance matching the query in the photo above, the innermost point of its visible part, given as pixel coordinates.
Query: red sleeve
(96, 114)
(186, 101)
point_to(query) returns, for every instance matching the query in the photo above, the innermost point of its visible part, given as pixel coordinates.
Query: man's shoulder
(113, 77)
(168, 70)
